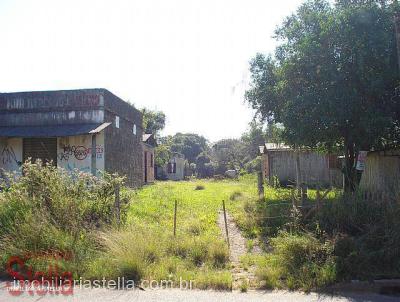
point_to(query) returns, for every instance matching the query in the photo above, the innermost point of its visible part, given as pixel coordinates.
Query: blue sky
(186, 58)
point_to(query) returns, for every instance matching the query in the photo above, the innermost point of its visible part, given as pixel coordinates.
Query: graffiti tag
(8, 156)
(79, 152)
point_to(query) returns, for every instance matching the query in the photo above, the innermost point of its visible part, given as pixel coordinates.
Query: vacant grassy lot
(145, 249)
(79, 222)
(198, 252)
(335, 243)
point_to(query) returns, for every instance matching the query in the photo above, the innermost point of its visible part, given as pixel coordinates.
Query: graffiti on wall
(8, 157)
(79, 152)
(75, 153)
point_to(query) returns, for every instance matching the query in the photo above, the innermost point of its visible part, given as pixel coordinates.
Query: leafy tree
(274, 133)
(229, 154)
(254, 165)
(253, 138)
(189, 144)
(204, 166)
(153, 121)
(163, 154)
(331, 80)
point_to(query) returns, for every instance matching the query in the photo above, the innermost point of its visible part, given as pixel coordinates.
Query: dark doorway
(145, 167)
(40, 148)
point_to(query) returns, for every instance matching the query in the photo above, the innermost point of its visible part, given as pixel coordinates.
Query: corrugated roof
(272, 147)
(52, 130)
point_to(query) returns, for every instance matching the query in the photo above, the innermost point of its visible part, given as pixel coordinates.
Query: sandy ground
(237, 248)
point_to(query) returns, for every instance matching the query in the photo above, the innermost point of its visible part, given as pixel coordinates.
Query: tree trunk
(298, 173)
(397, 30)
(349, 170)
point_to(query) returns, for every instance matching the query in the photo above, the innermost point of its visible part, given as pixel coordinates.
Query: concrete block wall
(124, 153)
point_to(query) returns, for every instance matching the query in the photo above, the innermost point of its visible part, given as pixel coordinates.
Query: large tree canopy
(332, 79)
(229, 154)
(189, 144)
(153, 121)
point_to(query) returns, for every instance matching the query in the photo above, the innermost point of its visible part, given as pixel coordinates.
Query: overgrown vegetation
(48, 213)
(50, 217)
(298, 261)
(347, 237)
(366, 234)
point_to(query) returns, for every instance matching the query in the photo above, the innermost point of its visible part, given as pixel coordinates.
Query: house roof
(53, 130)
(146, 136)
(149, 140)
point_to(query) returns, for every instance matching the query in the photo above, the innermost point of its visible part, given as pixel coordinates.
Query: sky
(187, 58)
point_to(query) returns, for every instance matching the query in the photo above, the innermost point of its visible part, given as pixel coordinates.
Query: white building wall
(75, 152)
(10, 154)
(180, 169)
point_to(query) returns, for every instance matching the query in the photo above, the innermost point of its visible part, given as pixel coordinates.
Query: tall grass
(348, 237)
(47, 213)
(138, 253)
(366, 235)
(298, 261)
(146, 248)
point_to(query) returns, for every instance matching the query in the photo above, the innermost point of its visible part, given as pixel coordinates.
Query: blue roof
(52, 130)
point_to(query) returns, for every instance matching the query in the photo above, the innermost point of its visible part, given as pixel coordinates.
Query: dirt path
(238, 248)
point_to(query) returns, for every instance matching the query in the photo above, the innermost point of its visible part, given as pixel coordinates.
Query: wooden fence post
(226, 223)
(176, 206)
(260, 185)
(117, 204)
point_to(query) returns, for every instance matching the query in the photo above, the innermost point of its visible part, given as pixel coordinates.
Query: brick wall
(123, 148)
(149, 165)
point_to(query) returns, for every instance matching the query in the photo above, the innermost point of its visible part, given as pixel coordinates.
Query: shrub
(299, 262)
(66, 207)
(244, 286)
(199, 187)
(235, 195)
(367, 236)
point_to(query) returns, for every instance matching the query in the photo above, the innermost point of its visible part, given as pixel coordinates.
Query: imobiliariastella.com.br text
(54, 282)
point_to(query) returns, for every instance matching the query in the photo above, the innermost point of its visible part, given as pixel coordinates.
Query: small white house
(175, 168)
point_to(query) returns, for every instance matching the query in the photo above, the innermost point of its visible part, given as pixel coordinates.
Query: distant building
(89, 129)
(174, 169)
(149, 144)
(279, 163)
